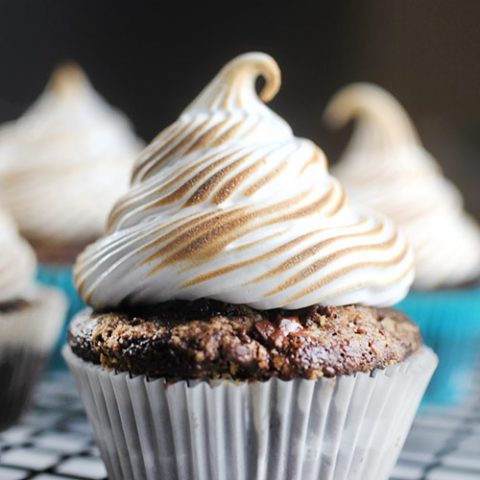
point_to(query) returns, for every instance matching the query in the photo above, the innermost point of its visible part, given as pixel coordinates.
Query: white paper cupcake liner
(36, 325)
(20, 368)
(27, 336)
(345, 428)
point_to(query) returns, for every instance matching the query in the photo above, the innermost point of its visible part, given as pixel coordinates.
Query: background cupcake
(62, 166)
(218, 346)
(30, 319)
(386, 168)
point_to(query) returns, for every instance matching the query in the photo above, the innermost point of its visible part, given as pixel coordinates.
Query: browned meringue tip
(254, 64)
(235, 82)
(67, 78)
(353, 100)
(370, 102)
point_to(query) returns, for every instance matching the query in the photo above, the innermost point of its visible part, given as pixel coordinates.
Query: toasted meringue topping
(385, 167)
(227, 203)
(17, 262)
(66, 161)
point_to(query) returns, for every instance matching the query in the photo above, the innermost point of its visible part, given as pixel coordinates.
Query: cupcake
(63, 164)
(385, 167)
(30, 319)
(239, 324)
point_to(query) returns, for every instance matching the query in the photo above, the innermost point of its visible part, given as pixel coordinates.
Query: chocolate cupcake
(30, 319)
(227, 336)
(63, 164)
(385, 167)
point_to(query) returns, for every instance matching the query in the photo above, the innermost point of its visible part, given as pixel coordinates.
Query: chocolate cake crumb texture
(209, 339)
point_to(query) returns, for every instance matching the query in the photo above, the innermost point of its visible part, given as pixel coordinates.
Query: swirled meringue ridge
(386, 168)
(228, 204)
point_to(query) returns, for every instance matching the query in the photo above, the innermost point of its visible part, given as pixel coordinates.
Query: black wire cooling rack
(54, 440)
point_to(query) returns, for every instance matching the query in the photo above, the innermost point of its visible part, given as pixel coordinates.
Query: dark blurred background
(150, 58)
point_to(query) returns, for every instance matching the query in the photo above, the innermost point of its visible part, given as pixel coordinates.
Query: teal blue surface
(450, 324)
(61, 276)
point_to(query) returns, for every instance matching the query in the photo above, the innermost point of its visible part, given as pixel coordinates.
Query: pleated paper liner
(27, 337)
(450, 324)
(61, 276)
(20, 369)
(344, 428)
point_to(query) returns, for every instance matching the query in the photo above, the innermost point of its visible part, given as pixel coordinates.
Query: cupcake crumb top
(209, 339)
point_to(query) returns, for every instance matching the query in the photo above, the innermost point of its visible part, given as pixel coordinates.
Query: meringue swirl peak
(65, 161)
(386, 167)
(67, 80)
(226, 203)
